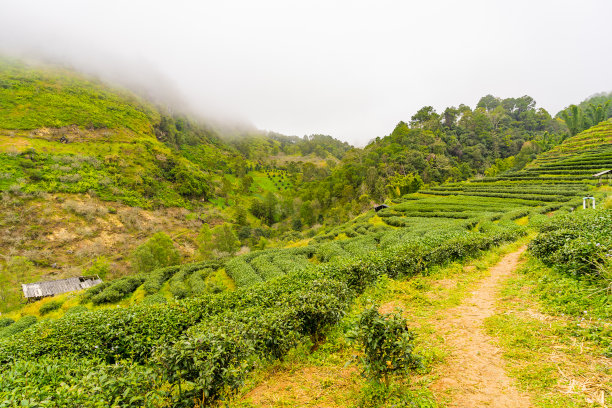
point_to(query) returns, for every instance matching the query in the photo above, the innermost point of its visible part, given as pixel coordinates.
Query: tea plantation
(197, 346)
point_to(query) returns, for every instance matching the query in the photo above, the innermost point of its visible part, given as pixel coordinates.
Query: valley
(238, 266)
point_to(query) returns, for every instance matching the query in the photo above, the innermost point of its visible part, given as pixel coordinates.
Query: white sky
(351, 69)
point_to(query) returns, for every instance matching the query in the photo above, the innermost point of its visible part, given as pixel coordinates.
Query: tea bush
(49, 307)
(17, 327)
(578, 243)
(387, 344)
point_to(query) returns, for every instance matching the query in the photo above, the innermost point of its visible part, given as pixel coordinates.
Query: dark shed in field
(38, 290)
(380, 207)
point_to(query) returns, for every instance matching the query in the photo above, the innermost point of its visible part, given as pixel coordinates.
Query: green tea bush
(241, 272)
(197, 285)
(70, 381)
(265, 268)
(330, 250)
(49, 307)
(91, 292)
(118, 289)
(387, 345)
(18, 327)
(76, 310)
(155, 280)
(579, 243)
(157, 298)
(5, 321)
(178, 285)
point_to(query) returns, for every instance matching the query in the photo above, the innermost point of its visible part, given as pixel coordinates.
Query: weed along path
(474, 374)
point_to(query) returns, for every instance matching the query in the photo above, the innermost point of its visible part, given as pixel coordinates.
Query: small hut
(39, 290)
(600, 176)
(380, 207)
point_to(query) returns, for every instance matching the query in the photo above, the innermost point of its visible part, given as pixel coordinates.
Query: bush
(49, 307)
(76, 310)
(68, 381)
(17, 327)
(5, 321)
(155, 280)
(577, 243)
(386, 343)
(117, 290)
(155, 299)
(157, 252)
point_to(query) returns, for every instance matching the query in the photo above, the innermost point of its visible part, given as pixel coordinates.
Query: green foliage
(5, 321)
(117, 290)
(71, 381)
(157, 252)
(154, 280)
(35, 97)
(50, 306)
(205, 242)
(387, 344)
(578, 243)
(224, 239)
(99, 267)
(77, 309)
(17, 327)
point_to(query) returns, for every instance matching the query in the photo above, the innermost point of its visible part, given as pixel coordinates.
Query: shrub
(157, 252)
(107, 296)
(76, 310)
(387, 344)
(154, 281)
(17, 327)
(49, 307)
(117, 290)
(5, 321)
(155, 299)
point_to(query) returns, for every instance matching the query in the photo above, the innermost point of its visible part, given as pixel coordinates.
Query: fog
(350, 69)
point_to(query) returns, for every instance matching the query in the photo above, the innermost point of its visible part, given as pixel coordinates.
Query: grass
(36, 97)
(554, 338)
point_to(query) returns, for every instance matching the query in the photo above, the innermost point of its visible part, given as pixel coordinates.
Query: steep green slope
(562, 175)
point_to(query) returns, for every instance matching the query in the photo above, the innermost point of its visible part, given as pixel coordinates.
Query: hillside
(237, 263)
(204, 343)
(89, 172)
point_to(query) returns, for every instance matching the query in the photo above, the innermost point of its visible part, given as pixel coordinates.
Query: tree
(246, 183)
(241, 215)
(205, 242)
(598, 113)
(489, 102)
(157, 252)
(424, 115)
(573, 118)
(225, 240)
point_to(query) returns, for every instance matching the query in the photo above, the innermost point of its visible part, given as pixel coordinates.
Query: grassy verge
(555, 332)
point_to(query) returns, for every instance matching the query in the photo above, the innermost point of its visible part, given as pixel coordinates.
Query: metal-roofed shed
(601, 175)
(37, 290)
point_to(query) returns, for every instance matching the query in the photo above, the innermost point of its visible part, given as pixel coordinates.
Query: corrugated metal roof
(51, 288)
(602, 173)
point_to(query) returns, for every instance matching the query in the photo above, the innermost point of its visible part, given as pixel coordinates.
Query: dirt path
(474, 375)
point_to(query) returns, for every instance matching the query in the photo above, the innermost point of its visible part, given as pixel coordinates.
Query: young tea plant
(386, 343)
